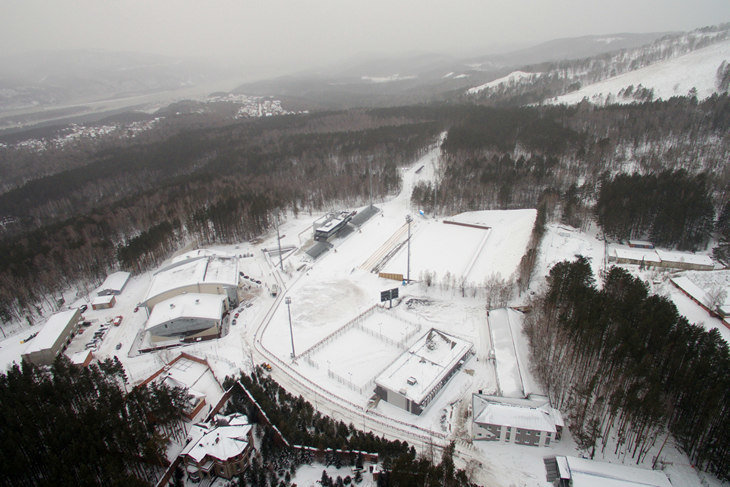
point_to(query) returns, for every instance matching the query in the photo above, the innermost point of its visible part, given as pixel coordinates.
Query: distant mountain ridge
(423, 77)
(46, 79)
(558, 78)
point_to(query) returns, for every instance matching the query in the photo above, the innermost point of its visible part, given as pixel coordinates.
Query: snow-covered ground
(512, 79)
(329, 293)
(673, 77)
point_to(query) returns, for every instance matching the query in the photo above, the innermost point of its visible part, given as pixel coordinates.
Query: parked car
(119, 345)
(117, 320)
(83, 308)
(136, 308)
(233, 322)
(236, 315)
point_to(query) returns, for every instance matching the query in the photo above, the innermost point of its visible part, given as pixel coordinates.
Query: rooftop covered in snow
(195, 376)
(194, 305)
(52, 330)
(590, 473)
(193, 270)
(518, 413)
(222, 441)
(114, 283)
(420, 369)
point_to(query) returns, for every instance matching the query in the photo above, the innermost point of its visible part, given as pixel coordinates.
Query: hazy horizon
(279, 37)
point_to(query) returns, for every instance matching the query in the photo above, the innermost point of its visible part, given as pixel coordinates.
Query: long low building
(520, 421)
(564, 471)
(650, 257)
(53, 338)
(114, 283)
(414, 378)
(199, 271)
(187, 316)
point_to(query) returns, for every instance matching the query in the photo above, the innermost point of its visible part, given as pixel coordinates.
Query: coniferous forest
(73, 425)
(301, 424)
(628, 369)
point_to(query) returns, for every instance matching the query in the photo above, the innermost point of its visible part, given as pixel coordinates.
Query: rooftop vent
(411, 381)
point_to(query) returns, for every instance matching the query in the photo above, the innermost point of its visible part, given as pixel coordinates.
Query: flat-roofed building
(105, 301)
(685, 260)
(53, 338)
(650, 257)
(564, 471)
(414, 378)
(641, 244)
(636, 256)
(114, 283)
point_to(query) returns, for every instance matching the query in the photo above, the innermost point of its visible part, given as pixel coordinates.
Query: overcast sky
(282, 36)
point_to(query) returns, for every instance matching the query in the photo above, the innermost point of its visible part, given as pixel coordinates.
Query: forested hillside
(130, 203)
(133, 204)
(508, 157)
(628, 369)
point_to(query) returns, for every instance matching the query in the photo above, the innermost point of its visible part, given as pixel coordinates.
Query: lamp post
(287, 300)
(408, 275)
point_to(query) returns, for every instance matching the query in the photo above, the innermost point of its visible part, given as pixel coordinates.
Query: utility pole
(278, 239)
(408, 274)
(287, 300)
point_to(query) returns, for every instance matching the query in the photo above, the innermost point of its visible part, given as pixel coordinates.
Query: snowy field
(468, 253)
(673, 77)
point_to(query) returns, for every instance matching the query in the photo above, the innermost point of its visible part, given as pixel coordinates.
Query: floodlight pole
(408, 275)
(278, 239)
(287, 300)
(370, 172)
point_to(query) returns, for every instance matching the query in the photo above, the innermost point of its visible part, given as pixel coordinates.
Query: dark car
(233, 322)
(119, 345)
(83, 308)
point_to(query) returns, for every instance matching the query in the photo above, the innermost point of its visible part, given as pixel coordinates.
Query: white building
(53, 338)
(200, 271)
(580, 472)
(187, 316)
(520, 421)
(114, 284)
(414, 378)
